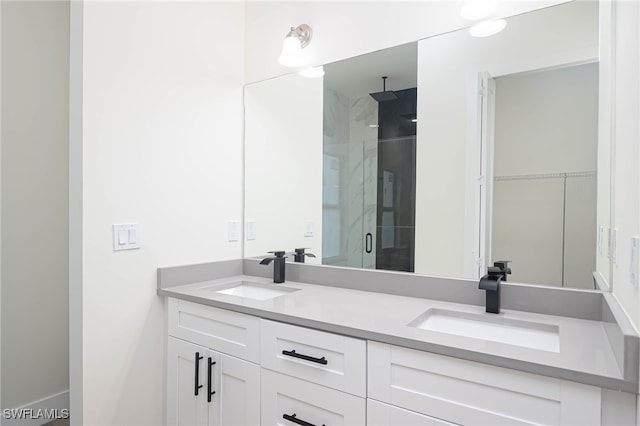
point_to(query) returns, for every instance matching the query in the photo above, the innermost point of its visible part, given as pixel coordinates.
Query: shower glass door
(349, 184)
(349, 204)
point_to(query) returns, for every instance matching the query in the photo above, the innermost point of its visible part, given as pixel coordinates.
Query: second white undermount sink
(252, 290)
(491, 327)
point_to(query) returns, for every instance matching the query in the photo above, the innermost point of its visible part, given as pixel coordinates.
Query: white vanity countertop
(584, 355)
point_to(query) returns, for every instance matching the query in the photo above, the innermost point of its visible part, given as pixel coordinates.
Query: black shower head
(387, 95)
(384, 95)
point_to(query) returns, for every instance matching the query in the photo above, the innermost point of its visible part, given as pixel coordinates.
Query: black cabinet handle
(210, 393)
(197, 385)
(368, 242)
(294, 419)
(322, 360)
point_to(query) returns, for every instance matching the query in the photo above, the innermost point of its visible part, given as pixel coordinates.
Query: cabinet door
(380, 414)
(237, 392)
(184, 375)
(287, 401)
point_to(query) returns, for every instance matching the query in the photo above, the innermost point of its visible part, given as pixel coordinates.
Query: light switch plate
(308, 228)
(233, 230)
(635, 253)
(126, 236)
(600, 238)
(614, 246)
(251, 230)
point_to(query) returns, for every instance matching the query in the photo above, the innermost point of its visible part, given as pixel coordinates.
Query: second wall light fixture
(297, 39)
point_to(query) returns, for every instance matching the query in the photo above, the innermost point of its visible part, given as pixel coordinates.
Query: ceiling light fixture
(488, 28)
(296, 39)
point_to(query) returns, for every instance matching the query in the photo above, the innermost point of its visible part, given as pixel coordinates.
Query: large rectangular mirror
(470, 151)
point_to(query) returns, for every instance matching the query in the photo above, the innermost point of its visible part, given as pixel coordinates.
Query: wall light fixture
(297, 39)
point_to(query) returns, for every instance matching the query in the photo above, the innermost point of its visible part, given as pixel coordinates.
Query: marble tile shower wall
(363, 113)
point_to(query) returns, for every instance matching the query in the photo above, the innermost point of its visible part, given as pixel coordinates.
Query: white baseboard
(37, 413)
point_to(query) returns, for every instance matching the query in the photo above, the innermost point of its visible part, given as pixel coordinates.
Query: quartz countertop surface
(584, 354)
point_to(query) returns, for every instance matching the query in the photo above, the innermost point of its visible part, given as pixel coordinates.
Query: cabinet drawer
(225, 331)
(471, 393)
(380, 414)
(331, 360)
(284, 396)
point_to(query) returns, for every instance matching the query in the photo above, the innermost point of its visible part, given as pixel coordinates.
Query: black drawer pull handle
(322, 360)
(197, 385)
(210, 393)
(294, 419)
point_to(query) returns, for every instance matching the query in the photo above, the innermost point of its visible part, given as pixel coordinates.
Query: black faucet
(278, 265)
(491, 283)
(504, 268)
(300, 255)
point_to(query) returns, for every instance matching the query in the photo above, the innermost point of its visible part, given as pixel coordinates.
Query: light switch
(133, 235)
(126, 236)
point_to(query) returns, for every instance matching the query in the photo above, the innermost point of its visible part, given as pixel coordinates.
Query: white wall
(283, 186)
(161, 144)
(604, 188)
(626, 140)
(442, 111)
(546, 122)
(349, 28)
(35, 54)
(543, 119)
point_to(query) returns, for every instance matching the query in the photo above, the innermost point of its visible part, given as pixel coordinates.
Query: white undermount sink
(252, 290)
(491, 327)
